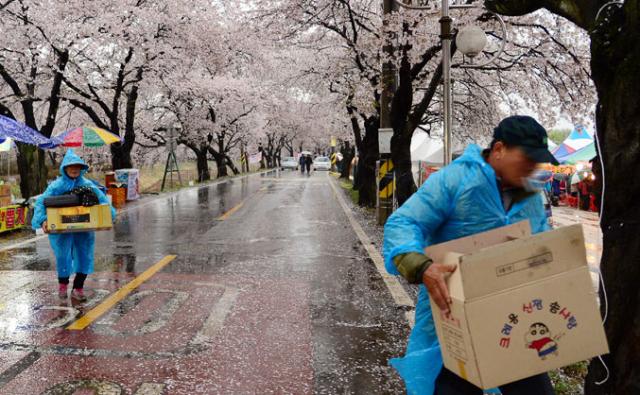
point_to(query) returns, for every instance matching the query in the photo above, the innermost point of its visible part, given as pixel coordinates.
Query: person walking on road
(73, 251)
(302, 161)
(480, 191)
(308, 161)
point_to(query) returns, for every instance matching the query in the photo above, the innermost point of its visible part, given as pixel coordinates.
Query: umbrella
(561, 177)
(579, 176)
(17, 131)
(89, 136)
(305, 153)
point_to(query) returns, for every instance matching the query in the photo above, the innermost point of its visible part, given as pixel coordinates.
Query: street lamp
(471, 42)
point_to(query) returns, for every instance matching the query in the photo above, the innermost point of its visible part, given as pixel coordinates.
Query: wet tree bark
(365, 182)
(407, 116)
(348, 152)
(231, 165)
(615, 55)
(31, 160)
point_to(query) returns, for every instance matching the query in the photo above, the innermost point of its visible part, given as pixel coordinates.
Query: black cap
(528, 134)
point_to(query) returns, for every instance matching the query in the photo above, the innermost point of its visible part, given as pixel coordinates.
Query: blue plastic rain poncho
(74, 251)
(460, 200)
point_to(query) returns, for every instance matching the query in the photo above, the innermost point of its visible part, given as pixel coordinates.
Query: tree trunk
(401, 159)
(120, 157)
(203, 165)
(233, 167)
(221, 165)
(32, 170)
(121, 153)
(615, 55)
(365, 181)
(262, 166)
(348, 154)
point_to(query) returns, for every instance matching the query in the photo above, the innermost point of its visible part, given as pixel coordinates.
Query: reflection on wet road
(270, 291)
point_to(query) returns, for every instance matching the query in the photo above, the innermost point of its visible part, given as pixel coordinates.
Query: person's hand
(433, 279)
(44, 227)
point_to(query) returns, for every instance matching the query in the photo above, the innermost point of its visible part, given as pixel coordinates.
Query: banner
(13, 217)
(255, 158)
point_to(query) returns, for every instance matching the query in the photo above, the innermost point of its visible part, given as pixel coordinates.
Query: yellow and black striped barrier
(244, 158)
(385, 180)
(334, 158)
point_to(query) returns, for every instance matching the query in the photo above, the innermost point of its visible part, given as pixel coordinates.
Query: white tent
(426, 149)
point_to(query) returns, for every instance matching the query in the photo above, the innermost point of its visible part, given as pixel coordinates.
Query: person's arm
(412, 266)
(39, 211)
(407, 229)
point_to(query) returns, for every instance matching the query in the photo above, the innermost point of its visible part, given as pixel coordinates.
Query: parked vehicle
(322, 163)
(289, 163)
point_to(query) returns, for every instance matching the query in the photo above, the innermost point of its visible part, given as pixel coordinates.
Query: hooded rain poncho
(74, 251)
(460, 200)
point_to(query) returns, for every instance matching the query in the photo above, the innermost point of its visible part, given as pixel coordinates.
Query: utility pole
(446, 36)
(384, 166)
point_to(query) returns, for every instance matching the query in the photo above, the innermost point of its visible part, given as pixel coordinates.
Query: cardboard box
(5, 190)
(79, 218)
(522, 304)
(5, 201)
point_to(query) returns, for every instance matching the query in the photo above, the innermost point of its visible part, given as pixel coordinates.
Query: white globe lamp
(471, 40)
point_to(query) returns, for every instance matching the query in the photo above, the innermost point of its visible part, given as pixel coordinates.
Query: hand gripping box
(79, 218)
(522, 304)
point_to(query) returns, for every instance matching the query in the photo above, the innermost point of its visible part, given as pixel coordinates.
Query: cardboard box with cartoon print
(522, 304)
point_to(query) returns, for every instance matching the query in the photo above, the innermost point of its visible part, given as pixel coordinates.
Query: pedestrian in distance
(480, 191)
(73, 251)
(308, 161)
(302, 161)
(585, 194)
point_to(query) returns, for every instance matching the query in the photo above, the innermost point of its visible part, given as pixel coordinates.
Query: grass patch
(347, 185)
(569, 380)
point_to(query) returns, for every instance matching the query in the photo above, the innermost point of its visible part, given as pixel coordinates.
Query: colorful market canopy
(578, 139)
(583, 155)
(89, 136)
(10, 128)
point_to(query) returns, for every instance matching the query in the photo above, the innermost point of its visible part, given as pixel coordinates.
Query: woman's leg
(61, 245)
(78, 281)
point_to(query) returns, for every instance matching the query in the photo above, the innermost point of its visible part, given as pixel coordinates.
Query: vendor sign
(130, 178)
(13, 217)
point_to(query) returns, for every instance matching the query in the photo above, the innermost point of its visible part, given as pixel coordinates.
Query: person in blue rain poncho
(73, 251)
(480, 191)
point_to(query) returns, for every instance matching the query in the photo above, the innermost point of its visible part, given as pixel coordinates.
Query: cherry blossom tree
(33, 60)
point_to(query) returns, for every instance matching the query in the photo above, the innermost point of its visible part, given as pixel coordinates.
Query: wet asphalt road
(262, 286)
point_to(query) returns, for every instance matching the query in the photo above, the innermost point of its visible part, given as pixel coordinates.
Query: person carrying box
(73, 251)
(480, 191)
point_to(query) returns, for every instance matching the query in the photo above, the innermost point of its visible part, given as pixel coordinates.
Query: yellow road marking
(233, 210)
(103, 307)
(263, 189)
